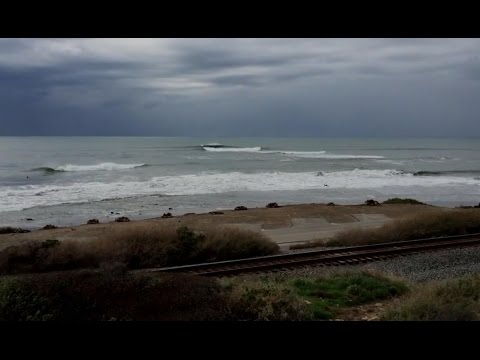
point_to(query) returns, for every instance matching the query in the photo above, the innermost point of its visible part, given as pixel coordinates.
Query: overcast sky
(240, 87)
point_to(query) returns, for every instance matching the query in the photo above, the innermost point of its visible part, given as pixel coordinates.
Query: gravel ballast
(437, 265)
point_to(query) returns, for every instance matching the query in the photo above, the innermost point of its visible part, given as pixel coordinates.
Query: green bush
(345, 290)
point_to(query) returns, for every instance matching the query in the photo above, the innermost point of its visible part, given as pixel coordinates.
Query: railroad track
(332, 257)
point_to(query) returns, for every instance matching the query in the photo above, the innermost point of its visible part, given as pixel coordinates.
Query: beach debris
(272, 205)
(93, 221)
(11, 230)
(371, 202)
(188, 214)
(49, 227)
(122, 219)
(241, 208)
(330, 204)
(167, 215)
(216, 213)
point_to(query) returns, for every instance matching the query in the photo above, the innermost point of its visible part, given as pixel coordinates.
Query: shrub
(254, 299)
(137, 247)
(88, 295)
(452, 300)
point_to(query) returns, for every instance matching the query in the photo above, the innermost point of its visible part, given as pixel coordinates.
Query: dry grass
(137, 247)
(441, 223)
(454, 300)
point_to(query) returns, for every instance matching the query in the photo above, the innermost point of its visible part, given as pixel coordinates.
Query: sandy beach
(287, 225)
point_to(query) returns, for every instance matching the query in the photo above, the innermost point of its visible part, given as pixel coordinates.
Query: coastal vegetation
(435, 224)
(110, 295)
(137, 247)
(454, 300)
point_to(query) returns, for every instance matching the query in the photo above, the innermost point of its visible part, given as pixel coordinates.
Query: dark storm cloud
(264, 87)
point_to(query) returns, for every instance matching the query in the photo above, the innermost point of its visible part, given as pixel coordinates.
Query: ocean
(68, 180)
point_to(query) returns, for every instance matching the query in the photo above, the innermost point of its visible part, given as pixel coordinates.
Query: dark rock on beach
(272, 205)
(93, 221)
(167, 215)
(330, 204)
(241, 208)
(11, 230)
(122, 219)
(188, 214)
(372, 203)
(49, 227)
(216, 213)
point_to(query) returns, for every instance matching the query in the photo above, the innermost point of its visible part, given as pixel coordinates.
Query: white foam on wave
(212, 144)
(26, 196)
(232, 149)
(395, 162)
(324, 155)
(97, 167)
(298, 154)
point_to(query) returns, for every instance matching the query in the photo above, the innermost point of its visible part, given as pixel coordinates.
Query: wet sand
(287, 225)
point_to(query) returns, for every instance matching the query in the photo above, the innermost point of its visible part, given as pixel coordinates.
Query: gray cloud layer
(244, 87)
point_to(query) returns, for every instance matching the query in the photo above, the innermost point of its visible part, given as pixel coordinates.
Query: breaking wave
(216, 147)
(26, 196)
(97, 167)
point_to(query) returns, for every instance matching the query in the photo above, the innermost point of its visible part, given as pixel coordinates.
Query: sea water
(68, 180)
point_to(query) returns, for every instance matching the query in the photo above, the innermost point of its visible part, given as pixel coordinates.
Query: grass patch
(452, 300)
(345, 290)
(442, 223)
(137, 247)
(307, 298)
(403, 201)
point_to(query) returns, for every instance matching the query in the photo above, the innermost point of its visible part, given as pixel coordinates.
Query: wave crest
(97, 167)
(223, 148)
